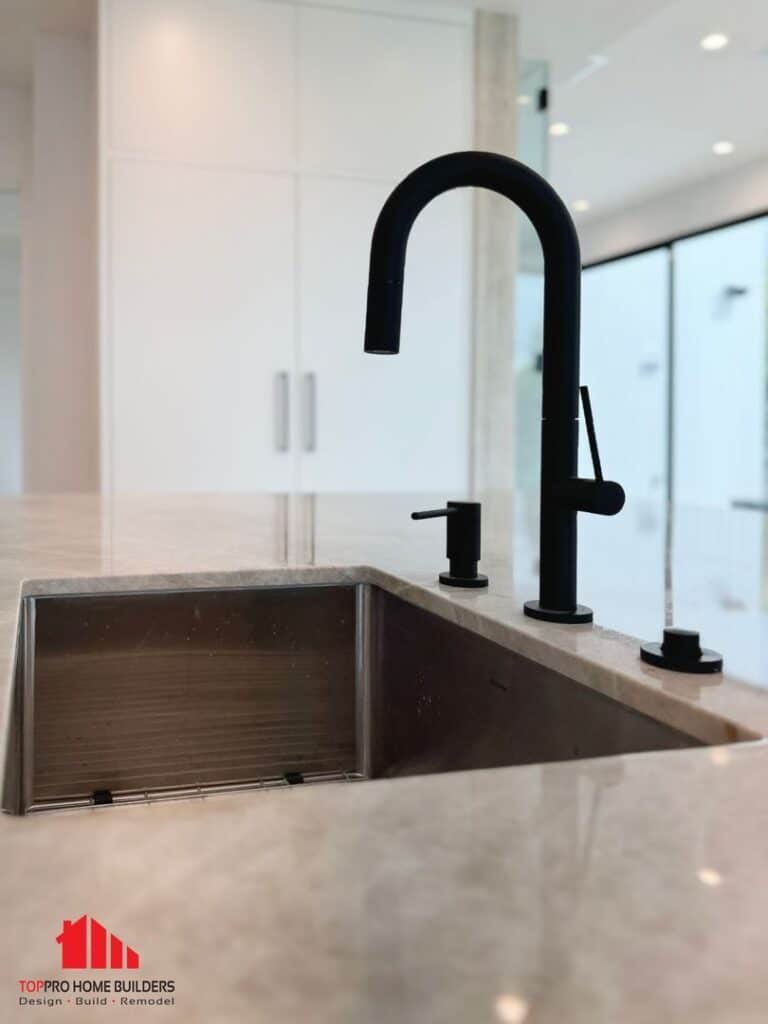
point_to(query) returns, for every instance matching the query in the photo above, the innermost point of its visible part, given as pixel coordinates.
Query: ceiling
(566, 32)
(644, 120)
(641, 122)
(20, 20)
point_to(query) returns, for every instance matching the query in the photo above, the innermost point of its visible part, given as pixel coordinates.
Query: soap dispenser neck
(462, 546)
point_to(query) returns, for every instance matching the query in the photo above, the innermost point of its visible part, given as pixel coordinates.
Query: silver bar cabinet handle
(282, 411)
(310, 412)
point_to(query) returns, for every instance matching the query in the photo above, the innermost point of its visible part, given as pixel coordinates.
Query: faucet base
(580, 614)
(471, 582)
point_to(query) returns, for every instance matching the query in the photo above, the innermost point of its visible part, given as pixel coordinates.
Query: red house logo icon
(74, 942)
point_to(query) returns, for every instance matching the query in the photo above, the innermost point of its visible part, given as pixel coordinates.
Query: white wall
(60, 399)
(696, 205)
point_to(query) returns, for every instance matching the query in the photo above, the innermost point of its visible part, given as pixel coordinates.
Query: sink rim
(601, 659)
(467, 612)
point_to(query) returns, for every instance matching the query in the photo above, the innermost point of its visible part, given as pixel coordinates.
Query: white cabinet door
(379, 95)
(385, 423)
(202, 321)
(197, 80)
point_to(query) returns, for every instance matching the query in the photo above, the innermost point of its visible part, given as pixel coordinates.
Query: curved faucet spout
(559, 242)
(562, 494)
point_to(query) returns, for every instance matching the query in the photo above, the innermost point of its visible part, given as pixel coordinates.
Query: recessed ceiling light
(581, 205)
(511, 1009)
(710, 877)
(714, 41)
(559, 128)
(723, 148)
(523, 99)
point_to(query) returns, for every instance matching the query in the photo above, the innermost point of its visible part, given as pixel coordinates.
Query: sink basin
(133, 696)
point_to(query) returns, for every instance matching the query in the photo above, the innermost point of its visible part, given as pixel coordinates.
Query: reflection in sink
(129, 696)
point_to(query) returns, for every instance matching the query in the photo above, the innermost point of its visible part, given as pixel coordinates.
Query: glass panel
(699, 562)
(720, 366)
(624, 360)
(532, 149)
(719, 478)
(532, 146)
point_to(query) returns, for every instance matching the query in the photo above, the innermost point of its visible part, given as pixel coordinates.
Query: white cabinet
(247, 149)
(379, 95)
(384, 422)
(192, 80)
(202, 321)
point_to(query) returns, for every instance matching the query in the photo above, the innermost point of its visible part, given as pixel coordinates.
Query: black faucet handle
(589, 421)
(600, 496)
(463, 542)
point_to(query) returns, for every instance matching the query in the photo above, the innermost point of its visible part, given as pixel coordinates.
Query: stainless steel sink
(133, 696)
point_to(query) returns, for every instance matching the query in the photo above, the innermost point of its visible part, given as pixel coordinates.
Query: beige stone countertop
(622, 889)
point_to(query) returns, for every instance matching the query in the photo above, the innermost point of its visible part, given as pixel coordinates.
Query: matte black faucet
(563, 493)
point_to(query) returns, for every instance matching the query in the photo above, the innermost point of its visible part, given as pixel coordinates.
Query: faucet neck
(562, 494)
(559, 241)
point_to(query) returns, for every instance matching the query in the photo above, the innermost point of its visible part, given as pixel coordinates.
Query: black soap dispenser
(463, 543)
